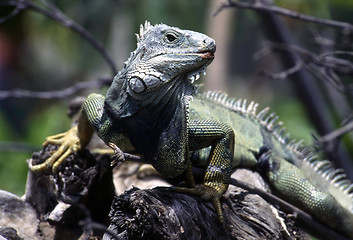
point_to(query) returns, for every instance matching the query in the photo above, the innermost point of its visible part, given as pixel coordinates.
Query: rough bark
(161, 213)
(82, 189)
(74, 204)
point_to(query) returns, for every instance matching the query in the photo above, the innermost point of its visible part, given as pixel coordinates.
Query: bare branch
(320, 40)
(23, 93)
(18, 9)
(333, 136)
(323, 66)
(279, 75)
(284, 74)
(259, 5)
(342, 65)
(51, 11)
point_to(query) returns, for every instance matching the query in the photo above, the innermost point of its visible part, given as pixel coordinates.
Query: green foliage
(342, 3)
(13, 168)
(45, 122)
(13, 171)
(311, 7)
(41, 123)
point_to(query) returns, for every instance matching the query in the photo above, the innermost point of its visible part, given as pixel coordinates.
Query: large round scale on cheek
(151, 81)
(137, 85)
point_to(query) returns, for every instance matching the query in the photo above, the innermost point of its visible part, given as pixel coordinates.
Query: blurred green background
(37, 53)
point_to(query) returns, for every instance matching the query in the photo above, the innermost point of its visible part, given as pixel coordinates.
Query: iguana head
(167, 54)
(166, 62)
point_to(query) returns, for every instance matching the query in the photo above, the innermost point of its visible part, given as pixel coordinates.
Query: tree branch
(51, 11)
(259, 5)
(17, 10)
(323, 66)
(23, 93)
(334, 135)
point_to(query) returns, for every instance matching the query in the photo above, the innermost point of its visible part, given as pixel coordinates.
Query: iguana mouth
(206, 54)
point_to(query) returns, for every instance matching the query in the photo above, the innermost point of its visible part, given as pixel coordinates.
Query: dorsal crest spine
(143, 30)
(268, 120)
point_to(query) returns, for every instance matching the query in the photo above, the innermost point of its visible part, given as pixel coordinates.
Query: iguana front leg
(74, 139)
(204, 133)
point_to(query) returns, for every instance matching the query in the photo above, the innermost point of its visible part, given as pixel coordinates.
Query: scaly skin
(149, 109)
(292, 170)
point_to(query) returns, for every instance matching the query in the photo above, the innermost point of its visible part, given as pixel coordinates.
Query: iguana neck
(145, 120)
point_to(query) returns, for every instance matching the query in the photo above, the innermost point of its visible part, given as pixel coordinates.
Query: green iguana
(152, 108)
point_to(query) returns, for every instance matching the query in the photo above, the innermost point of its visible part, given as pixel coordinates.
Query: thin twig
(284, 74)
(51, 11)
(12, 14)
(23, 93)
(323, 42)
(325, 60)
(323, 66)
(332, 136)
(269, 49)
(260, 6)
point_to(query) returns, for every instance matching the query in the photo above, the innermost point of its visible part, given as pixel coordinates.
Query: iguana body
(293, 171)
(149, 108)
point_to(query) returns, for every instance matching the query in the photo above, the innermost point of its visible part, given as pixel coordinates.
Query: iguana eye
(170, 37)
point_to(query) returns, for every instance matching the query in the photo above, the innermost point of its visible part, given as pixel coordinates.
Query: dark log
(18, 219)
(83, 189)
(76, 202)
(161, 213)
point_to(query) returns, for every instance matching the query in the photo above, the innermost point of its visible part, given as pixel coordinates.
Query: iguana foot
(69, 142)
(206, 193)
(118, 154)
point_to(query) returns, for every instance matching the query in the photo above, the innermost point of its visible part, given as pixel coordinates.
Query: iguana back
(301, 174)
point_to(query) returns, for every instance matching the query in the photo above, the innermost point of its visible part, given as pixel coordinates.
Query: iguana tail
(293, 184)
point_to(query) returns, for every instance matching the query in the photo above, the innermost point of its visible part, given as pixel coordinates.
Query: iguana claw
(206, 193)
(69, 142)
(118, 154)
